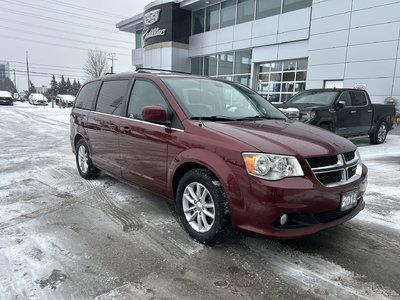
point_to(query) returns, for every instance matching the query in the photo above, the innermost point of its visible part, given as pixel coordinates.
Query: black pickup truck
(347, 112)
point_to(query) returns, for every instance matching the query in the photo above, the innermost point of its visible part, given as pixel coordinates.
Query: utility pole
(111, 56)
(27, 71)
(15, 79)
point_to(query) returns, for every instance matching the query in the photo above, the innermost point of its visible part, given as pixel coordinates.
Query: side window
(358, 99)
(86, 96)
(144, 93)
(346, 98)
(111, 96)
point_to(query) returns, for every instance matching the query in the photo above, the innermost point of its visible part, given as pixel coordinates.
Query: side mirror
(341, 104)
(154, 114)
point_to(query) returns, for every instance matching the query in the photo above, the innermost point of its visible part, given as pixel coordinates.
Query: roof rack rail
(143, 70)
(109, 73)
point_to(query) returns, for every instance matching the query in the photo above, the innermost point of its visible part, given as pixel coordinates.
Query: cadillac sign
(149, 19)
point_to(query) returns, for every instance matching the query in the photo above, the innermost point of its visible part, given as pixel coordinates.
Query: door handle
(370, 110)
(353, 111)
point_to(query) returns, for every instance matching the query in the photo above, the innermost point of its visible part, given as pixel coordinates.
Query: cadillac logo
(151, 17)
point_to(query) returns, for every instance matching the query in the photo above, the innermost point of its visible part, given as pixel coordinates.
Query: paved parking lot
(62, 237)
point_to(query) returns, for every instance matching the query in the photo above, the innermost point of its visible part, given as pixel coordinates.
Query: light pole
(111, 56)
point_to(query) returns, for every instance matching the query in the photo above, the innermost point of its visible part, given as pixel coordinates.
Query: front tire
(84, 162)
(202, 206)
(379, 134)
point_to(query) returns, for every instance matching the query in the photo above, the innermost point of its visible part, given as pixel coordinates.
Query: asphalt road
(63, 237)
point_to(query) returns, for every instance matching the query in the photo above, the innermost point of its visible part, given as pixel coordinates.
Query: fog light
(283, 220)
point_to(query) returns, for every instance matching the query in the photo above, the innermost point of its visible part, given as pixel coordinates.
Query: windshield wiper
(258, 117)
(213, 118)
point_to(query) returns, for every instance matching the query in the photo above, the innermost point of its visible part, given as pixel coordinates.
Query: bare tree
(96, 63)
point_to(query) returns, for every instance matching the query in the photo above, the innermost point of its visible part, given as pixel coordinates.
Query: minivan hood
(284, 137)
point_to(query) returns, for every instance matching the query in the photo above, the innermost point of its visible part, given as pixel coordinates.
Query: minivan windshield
(314, 97)
(203, 98)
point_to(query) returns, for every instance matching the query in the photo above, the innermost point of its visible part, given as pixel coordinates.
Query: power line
(64, 31)
(49, 69)
(61, 21)
(57, 11)
(48, 75)
(53, 44)
(78, 7)
(63, 67)
(63, 38)
(51, 74)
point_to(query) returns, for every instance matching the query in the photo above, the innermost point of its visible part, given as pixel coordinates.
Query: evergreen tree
(62, 86)
(74, 88)
(53, 91)
(68, 87)
(32, 88)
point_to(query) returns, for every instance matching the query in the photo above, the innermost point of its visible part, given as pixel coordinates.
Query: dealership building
(277, 47)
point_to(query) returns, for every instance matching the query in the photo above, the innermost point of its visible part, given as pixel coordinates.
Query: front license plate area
(349, 200)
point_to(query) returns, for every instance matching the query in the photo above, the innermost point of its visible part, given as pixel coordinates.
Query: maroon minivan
(226, 157)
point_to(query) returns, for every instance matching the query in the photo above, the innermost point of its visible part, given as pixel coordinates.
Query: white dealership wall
(356, 41)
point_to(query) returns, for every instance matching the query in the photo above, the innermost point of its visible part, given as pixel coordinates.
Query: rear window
(111, 97)
(87, 95)
(358, 99)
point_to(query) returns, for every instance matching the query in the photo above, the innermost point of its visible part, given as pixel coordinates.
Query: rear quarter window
(111, 96)
(87, 95)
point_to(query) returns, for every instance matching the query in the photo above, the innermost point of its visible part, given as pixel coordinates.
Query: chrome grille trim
(347, 170)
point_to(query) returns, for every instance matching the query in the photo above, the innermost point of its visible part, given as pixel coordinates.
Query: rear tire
(84, 162)
(202, 206)
(379, 134)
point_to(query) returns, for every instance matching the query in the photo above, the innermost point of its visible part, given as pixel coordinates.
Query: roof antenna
(200, 123)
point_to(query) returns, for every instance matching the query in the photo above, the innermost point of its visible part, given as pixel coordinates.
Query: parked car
(346, 112)
(6, 98)
(217, 150)
(68, 100)
(37, 99)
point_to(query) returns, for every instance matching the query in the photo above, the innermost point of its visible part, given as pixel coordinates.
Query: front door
(144, 145)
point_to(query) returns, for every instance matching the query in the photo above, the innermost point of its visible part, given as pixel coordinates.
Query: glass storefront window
(212, 17)
(225, 63)
(280, 80)
(197, 65)
(210, 65)
(267, 8)
(245, 11)
(243, 62)
(228, 13)
(291, 5)
(138, 39)
(243, 79)
(198, 21)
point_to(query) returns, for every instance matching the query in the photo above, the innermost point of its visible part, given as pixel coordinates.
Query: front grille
(335, 169)
(318, 162)
(329, 177)
(349, 156)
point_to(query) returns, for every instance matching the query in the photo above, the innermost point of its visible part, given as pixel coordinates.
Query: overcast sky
(57, 34)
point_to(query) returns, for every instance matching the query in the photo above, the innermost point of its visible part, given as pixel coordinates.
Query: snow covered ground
(62, 237)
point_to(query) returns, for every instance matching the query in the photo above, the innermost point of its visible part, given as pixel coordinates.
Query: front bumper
(310, 206)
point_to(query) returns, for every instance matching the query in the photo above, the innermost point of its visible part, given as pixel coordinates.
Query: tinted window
(87, 95)
(144, 93)
(290, 5)
(243, 62)
(268, 8)
(228, 13)
(198, 21)
(111, 96)
(358, 99)
(197, 65)
(245, 11)
(212, 17)
(346, 98)
(225, 66)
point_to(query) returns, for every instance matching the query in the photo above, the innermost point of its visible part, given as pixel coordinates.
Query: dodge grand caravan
(222, 154)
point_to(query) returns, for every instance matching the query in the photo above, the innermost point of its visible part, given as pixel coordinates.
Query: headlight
(272, 166)
(307, 116)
